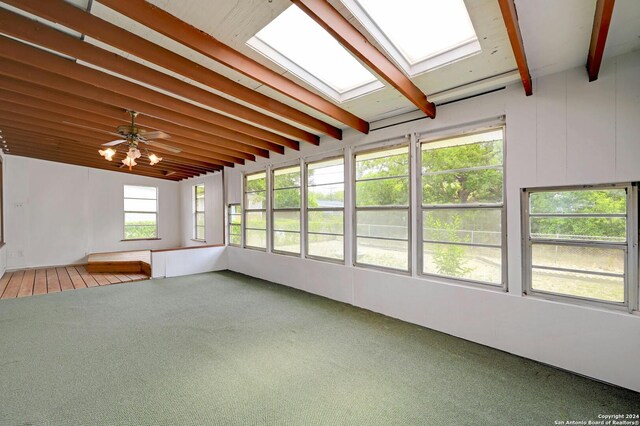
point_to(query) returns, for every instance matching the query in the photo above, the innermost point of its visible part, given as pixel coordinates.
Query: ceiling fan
(132, 136)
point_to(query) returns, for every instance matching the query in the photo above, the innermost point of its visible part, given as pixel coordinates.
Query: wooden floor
(31, 282)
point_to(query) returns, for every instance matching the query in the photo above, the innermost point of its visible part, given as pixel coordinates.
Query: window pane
(329, 246)
(436, 158)
(256, 238)
(135, 232)
(236, 218)
(140, 205)
(474, 226)
(200, 233)
(386, 163)
(256, 200)
(286, 221)
(325, 172)
(256, 182)
(383, 223)
(146, 192)
(330, 222)
(286, 178)
(235, 240)
(328, 196)
(286, 241)
(200, 219)
(456, 261)
(200, 204)
(580, 228)
(593, 259)
(608, 201)
(477, 186)
(385, 253)
(609, 289)
(235, 230)
(384, 192)
(286, 198)
(199, 191)
(256, 220)
(140, 219)
(235, 209)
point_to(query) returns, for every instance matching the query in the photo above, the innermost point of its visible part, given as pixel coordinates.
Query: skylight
(296, 42)
(419, 34)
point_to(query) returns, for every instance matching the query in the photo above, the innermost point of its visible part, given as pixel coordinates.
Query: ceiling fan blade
(92, 128)
(163, 146)
(114, 143)
(157, 134)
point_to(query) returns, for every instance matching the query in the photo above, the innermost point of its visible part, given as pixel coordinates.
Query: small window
(325, 209)
(234, 221)
(462, 207)
(198, 213)
(140, 212)
(382, 208)
(255, 211)
(286, 210)
(577, 242)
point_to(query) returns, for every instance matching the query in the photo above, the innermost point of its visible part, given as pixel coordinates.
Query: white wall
(569, 132)
(56, 213)
(176, 263)
(3, 249)
(214, 210)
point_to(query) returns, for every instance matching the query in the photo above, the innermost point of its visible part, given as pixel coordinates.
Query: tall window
(1, 205)
(255, 210)
(382, 208)
(286, 210)
(198, 213)
(462, 207)
(577, 242)
(140, 212)
(234, 221)
(325, 209)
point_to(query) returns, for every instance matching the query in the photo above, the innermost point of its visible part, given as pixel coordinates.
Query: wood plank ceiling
(62, 97)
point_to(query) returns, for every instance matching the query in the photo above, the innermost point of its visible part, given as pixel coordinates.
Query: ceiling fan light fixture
(154, 159)
(128, 161)
(107, 153)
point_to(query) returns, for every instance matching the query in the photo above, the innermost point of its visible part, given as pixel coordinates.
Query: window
(327, 65)
(325, 209)
(234, 222)
(198, 213)
(419, 34)
(462, 207)
(1, 205)
(286, 210)
(140, 212)
(255, 210)
(382, 208)
(577, 242)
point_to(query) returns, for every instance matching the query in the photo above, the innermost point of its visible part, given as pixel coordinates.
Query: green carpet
(227, 349)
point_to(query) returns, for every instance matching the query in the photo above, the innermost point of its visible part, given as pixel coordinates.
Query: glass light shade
(128, 161)
(154, 159)
(107, 153)
(133, 153)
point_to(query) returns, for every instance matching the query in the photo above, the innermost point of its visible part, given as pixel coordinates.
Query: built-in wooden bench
(132, 262)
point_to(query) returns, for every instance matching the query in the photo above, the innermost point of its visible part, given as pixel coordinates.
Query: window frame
(245, 210)
(631, 285)
(196, 211)
(229, 223)
(272, 210)
(124, 213)
(394, 143)
(504, 285)
(306, 210)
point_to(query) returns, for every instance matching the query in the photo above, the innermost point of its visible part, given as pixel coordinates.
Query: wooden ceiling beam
(510, 17)
(601, 23)
(25, 90)
(178, 142)
(168, 25)
(25, 54)
(348, 36)
(236, 140)
(75, 18)
(66, 148)
(34, 32)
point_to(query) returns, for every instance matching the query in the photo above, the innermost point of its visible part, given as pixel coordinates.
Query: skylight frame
(439, 59)
(272, 53)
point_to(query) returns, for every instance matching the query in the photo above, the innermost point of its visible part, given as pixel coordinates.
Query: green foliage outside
(140, 229)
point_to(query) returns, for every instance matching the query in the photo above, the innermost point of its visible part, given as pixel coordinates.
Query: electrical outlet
(18, 205)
